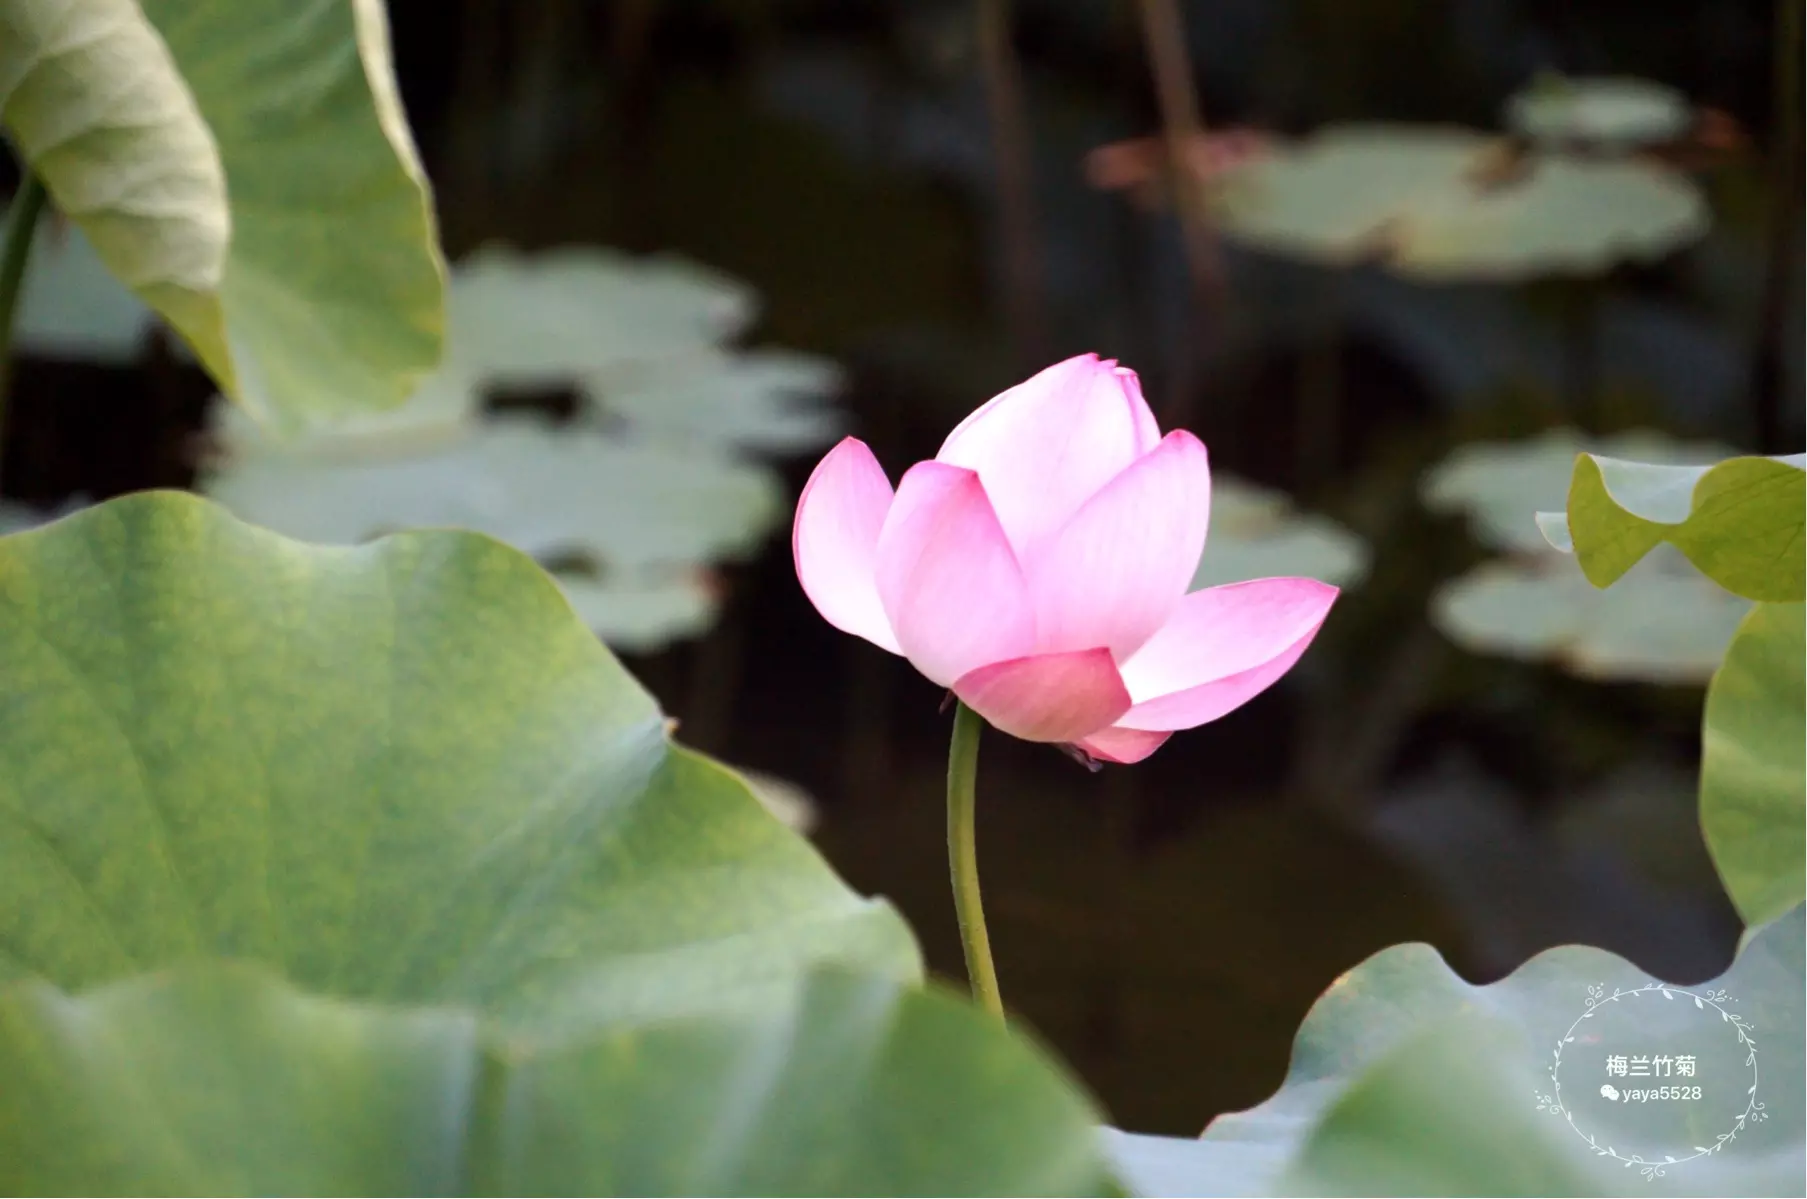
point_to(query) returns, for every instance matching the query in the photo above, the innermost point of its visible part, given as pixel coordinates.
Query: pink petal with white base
(834, 541)
(1116, 571)
(947, 576)
(1046, 445)
(1047, 697)
(1122, 746)
(1223, 646)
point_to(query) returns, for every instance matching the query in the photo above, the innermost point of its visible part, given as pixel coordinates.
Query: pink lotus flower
(1038, 568)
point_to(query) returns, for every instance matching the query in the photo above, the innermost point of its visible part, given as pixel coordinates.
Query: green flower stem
(963, 860)
(28, 203)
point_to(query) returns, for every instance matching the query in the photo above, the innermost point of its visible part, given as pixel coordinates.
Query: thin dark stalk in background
(15, 253)
(1782, 271)
(1182, 128)
(1016, 181)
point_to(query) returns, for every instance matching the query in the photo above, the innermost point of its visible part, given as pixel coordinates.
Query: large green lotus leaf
(219, 1079)
(1612, 112)
(246, 168)
(1256, 533)
(1442, 203)
(16, 517)
(1661, 623)
(1742, 522)
(1501, 485)
(1753, 771)
(399, 771)
(1408, 1080)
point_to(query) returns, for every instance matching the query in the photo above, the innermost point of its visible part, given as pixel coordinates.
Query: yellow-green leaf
(404, 771)
(220, 1080)
(246, 168)
(1753, 772)
(1740, 521)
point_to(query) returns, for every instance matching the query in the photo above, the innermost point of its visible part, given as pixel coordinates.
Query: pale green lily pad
(1407, 1080)
(436, 463)
(1256, 533)
(1501, 485)
(1441, 203)
(558, 318)
(766, 401)
(222, 1080)
(403, 771)
(71, 308)
(1742, 522)
(1661, 623)
(648, 483)
(1613, 112)
(244, 166)
(1753, 772)
(642, 611)
(527, 481)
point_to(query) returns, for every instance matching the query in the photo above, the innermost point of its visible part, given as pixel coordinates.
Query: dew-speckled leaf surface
(1753, 771)
(246, 168)
(402, 771)
(1742, 522)
(224, 1081)
(1408, 1080)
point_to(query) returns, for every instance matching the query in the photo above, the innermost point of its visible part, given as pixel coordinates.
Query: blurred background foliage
(742, 227)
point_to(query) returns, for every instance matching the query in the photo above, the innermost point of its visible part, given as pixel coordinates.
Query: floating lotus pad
(526, 481)
(762, 401)
(1256, 533)
(1442, 203)
(646, 515)
(641, 611)
(551, 318)
(1501, 485)
(1608, 111)
(648, 483)
(1661, 623)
